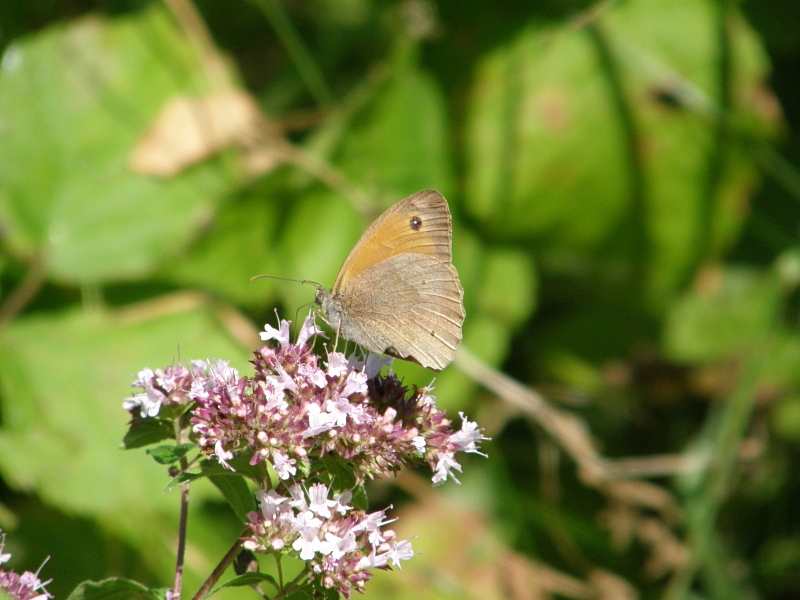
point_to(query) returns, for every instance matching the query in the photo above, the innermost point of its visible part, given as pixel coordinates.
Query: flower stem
(293, 585)
(280, 569)
(178, 583)
(176, 588)
(219, 570)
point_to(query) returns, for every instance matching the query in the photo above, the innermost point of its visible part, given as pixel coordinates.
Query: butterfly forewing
(419, 224)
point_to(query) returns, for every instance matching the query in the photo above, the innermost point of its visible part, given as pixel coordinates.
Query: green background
(626, 201)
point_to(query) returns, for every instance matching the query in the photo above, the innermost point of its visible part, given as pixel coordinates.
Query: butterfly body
(397, 291)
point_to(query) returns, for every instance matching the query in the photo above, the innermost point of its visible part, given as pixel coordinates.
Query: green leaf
(236, 492)
(114, 589)
(734, 310)
(340, 473)
(212, 468)
(166, 455)
(320, 591)
(536, 102)
(143, 432)
(304, 593)
(319, 232)
(247, 579)
(785, 417)
(360, 500)
(81, 96)
(237, 245)
(63, 415)
(208, 468)
(400, 145)
(182, 478)
(569, 144)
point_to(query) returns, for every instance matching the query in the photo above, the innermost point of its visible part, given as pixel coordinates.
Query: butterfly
(397, 292)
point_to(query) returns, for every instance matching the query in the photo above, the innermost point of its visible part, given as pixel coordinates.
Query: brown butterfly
(397, 292)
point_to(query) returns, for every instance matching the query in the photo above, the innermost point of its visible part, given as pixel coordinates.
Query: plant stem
(299, 54)
(219, 570)
(176, 587)
(24, 292)
(178, 583)
(280, 569)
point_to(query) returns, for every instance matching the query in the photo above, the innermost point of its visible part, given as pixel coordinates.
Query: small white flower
(337, 364)
(223, 455)
(319, 502)
(467, 438)
(282, 334)
(319, 421)
(400, 551)
(298, 500)
(342, 408)
(149, 402)
(371, 525)
(356, 384)
(275, 395)
(314, 374)
(272, 503)
(341, 501)
(373, 561)
(337, 546)
(286, 380)
(284, 466)
(444, 469)
(149, 405)
(308, 544)
(419, 443)
(223, 372)
(308, 329)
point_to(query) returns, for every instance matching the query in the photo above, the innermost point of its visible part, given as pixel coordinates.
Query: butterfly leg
(336, 340)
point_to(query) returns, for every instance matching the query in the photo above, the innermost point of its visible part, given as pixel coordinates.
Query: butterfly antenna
(304, 281)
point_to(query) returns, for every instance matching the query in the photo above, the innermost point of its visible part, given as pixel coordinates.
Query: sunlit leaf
(74, 99)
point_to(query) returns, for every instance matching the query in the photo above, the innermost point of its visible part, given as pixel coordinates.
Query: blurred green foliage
(624, 184)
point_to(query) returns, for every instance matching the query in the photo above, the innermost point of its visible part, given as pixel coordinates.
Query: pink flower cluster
(338, 543)
(294, 411)
(27, 586)
(297, 409)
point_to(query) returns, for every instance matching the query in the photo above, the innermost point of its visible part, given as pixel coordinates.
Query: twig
(182, 527)
(298, 53)
(195, 30)
(569, 433)
(24, 292)
(219, 569)
(176, 587)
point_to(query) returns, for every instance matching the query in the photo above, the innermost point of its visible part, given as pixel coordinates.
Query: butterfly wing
(409, 306)
(419, 224)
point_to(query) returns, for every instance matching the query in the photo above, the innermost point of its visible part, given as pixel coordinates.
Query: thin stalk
(18, 299)
(182, 527)
(219, 570)
(298, 53)
(638, 183)
(722, 138)
(702, 510)
(178, 583)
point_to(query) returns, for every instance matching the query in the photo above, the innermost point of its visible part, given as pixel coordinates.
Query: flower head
(296, 409)
(339, 545)
(27, 586)
(297, 417)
